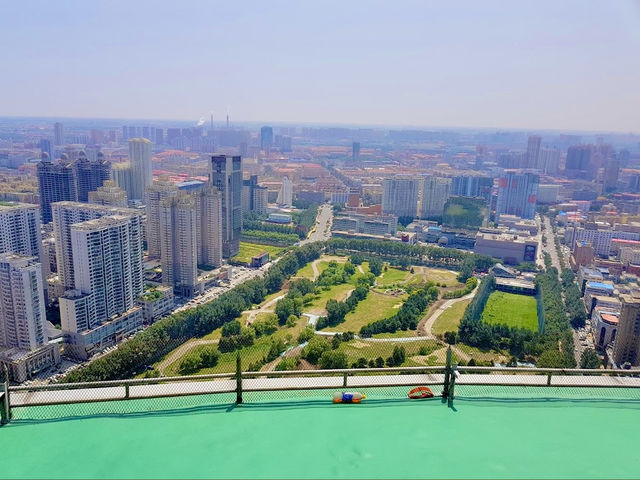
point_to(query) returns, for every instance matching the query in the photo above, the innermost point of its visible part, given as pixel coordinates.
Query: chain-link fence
(297, 388)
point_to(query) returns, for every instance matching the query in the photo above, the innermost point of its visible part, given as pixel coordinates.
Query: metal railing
(450, 377)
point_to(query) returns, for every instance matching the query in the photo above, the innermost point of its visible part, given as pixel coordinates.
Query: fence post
(344, 380)
(447, 374)
(548, 380)
(5, 407)
(452, 386)
(238, 379)
(126, 391)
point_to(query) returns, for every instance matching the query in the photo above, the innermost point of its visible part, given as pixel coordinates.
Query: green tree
(379, 362)
(209, 356)
(306, 334)
(590, 359)
(190, 364)
(375, 266)
(315, 348)
(231, 328)
(333, 359)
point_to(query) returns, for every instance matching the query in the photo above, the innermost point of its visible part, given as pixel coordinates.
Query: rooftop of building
(605, 286)
(10, 206)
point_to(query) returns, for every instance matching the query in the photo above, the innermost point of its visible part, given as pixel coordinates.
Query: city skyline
(495, 66)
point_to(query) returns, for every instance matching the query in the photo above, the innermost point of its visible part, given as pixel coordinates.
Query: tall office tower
(109, 194)
(159, 138)
(66, 214)
(225, 174)
(611, 171)
(285, 196)
(22, 307)
(146, 132)
(141, 173)
(179, 244)
(109, 276)
(20, 229)
(56, 183)
(626, 348)
(355, 151)
(209, 226)
(45, 147)
(578, 161)
(549, 160)
(58, 134)
(435, 193)
(533, 151)
(517, 194)
(400, 196)
(125, 133)
(266, 138)
(155, 194)
(471, 186)
(90, 175)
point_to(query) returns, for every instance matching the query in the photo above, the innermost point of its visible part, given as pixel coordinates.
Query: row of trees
(337, 311)
(205, 357)
(270, 238)
(572, 300)
(408, 314)
(270, 227)
(150, 345)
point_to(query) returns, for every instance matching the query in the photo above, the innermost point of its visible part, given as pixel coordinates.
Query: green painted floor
(308, 437)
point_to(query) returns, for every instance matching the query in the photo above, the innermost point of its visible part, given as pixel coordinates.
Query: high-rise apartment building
(108, 276)
(179, 244)
(90, 175)
(355, 151)
(22, 307)
(154, 195)
(435, 193)
(58, 134)
(45, 147)
(24, 347)
(141, 172)
(285, 196)
(533, 151)
(109, 194)
(626, 348)
(611, 172)
(266, 138)
(471, 186)
(66, 214)
(225, 174)
(578, 161)
(208, 202)
(56, 183)
(254, 197)
(517, 194)
(400, 196)
(549, 160)
(20, 229)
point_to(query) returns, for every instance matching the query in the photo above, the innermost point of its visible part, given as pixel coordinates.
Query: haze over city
(530, 65)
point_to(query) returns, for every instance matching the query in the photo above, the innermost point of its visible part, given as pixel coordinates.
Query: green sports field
(510, 309)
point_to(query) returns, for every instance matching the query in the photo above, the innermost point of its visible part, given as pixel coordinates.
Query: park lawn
(449, 320)
(397, 334)
(355, 349)
(511, 309)
(249, 250)
(257, 351)
(483, 355)
(391, 277)
(375, 307)
(305, 272)
(437, 275)
(337, 292)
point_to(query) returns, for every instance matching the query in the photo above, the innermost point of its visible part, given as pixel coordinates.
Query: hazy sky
(540, 64)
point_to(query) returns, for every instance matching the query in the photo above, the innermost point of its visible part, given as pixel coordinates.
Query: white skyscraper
(24, 346)
(435, 193)
(400, 196)
(107, 264)
(141, 172)
(66, 214)
(22, 308)
(154, 195)
(179, 244)
(20, 229)
(285, 196)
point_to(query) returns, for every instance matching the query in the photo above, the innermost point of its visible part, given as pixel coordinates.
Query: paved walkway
(426, 324)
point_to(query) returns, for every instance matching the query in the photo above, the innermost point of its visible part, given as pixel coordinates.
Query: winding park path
(268, 307)
(425, 325)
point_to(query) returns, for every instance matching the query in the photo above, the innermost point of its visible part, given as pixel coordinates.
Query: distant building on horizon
(435, 193)
(285, 196)
(266, 138)
(533, 151)
(58, 134)
(155, 194)
(90, 175)
(56, 183)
